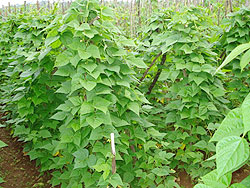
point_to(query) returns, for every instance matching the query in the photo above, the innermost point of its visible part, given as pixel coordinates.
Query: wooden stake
(6, 12)
(9, 7)
(24, 5)
(231, 5)
(63, 7)
(139, 13)
(226, 4)
(131, 19)
(48, 5)
(112, 136)
(37, 5)
(3, 10)
(68, 4)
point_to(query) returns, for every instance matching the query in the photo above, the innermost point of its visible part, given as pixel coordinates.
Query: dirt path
(16, 169)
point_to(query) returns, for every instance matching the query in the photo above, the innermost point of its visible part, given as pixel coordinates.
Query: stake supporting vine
(112, 136)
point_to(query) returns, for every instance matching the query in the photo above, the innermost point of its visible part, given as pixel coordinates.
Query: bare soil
(15, 168)
(241, 174)
(184, 180)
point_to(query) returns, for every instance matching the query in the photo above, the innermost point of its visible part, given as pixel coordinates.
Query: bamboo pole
(231, 5)
(139, 13)
(6, 12)
(9, 8)
(218, 16)
(24, 5)
(48, 6)
(226, 4)
(63, 8)
(68, 5)
(150, 8)
(37, 5)
(131, 19)
(21, 10)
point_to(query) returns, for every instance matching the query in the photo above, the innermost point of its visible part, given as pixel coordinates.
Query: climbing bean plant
(97, 73)
(70, 84)
(232, 149)
(190, 99)
(238, 32)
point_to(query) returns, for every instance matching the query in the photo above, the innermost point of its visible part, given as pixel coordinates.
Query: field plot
(119, 94)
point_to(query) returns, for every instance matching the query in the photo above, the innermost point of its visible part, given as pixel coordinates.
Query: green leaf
(212, 180)
(119, 122)
(128, 42)
(2, 144)
(93, 121)
(26, 73)
(238, 185)
(186, 48)
(44, 134)
(43, 53)
(101, 104)
(245, 113)
(246, 181)
(231, 153)
(138, 62)
(134, 106)
(119, 52)
(163, 171)
(50, 40)
(94, 51)
(86, 108)
(76, 100)
(83, 54)
(1, 181)
(81, 154)
(88, 85)
(202, 186)
(89, 33)
(106, 11)
(74, 60)
(168, 42)
(232, 125)
(74, 124)
(245, 59)
(115, 180)
(80, 158)
(61, 60)
(237, 51)
(1, 125)
(59, 116)
(149, 144)
(90, 66)
(64, 71)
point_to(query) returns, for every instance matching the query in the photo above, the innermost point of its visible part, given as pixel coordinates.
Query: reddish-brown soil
(16, 169)
(184, 180)
(241, 174)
